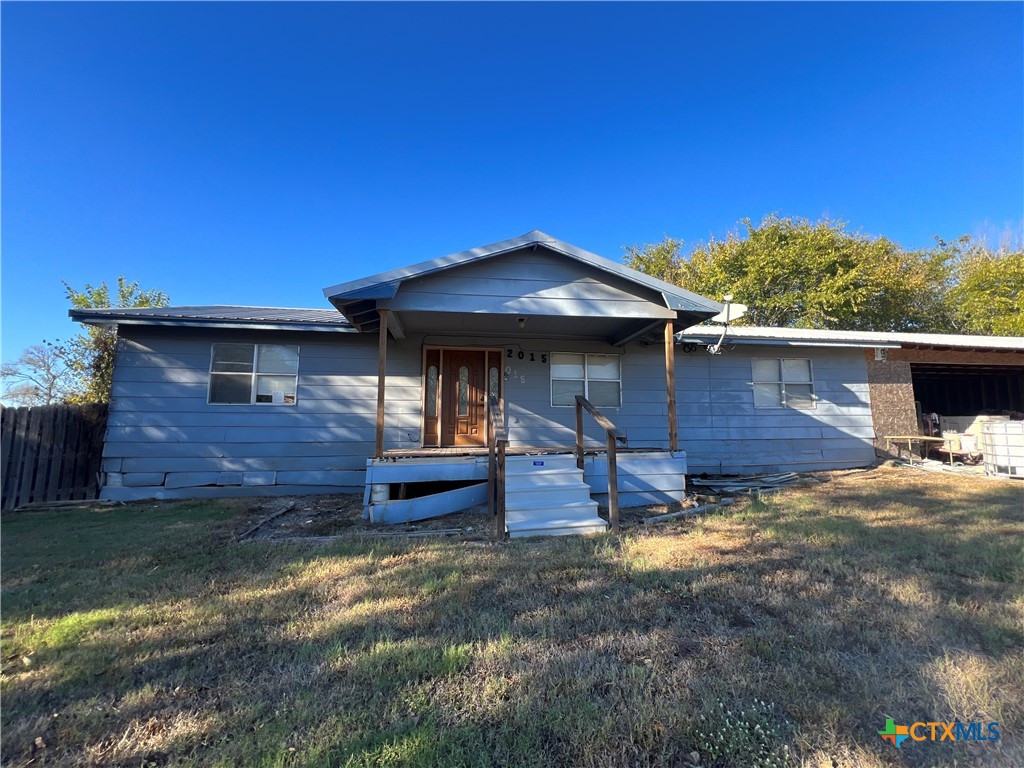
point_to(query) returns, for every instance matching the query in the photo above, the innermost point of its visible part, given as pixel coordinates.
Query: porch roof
(359, 299)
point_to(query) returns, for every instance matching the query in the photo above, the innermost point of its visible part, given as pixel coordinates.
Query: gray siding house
(211, 401)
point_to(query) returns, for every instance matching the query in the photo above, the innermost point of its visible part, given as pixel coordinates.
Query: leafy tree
(663, 260)
(792, 272)
(988, 295)
(90, 355)
(38, 377)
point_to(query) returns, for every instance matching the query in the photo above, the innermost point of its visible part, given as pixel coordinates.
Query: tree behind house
(791, 272)
(988, 295)
(90, 355)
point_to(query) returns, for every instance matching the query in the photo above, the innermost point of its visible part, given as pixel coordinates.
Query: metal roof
(385, 285)
(811, 337)
(260, 318)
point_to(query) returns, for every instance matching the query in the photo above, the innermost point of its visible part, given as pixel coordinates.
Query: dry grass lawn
(784, 632)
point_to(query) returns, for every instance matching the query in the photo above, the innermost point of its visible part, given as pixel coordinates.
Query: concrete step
(519, 464)
(579, 530)
(548, 495)
(543, 519)
(544, 477)
(550, 499)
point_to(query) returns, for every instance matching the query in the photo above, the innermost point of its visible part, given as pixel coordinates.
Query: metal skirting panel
(409, 510)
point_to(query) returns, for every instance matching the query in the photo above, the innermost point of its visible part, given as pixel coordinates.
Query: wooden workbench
(924, 440)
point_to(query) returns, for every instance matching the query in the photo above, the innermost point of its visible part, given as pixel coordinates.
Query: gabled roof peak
(385, 284)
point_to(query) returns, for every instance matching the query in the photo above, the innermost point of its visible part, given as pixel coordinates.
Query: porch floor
(512, 450)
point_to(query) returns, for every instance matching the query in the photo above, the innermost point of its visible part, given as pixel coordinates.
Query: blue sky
(255, 153)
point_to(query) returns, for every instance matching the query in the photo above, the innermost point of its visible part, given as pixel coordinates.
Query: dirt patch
(340, 515)
(331, 517)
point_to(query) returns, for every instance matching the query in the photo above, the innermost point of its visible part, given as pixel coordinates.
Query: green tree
(663, 260)
(90, 355)
(797, 273)
(987, 296)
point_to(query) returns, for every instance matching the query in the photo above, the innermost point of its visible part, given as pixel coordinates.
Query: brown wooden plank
(670, 384)
(579, 434)
(499, 523)
(84, 482)
(28, 466)
(601, 419)
(46, 451)
(382, 370)
(13, 424)
(492, 468)
(70, 454)
(57, 459)
(613, 485)
(95, 460)
(7, 417)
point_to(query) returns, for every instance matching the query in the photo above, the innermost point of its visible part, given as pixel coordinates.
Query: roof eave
(689, 338)
(114, 320)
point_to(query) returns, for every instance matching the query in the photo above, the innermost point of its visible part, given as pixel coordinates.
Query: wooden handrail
(613, 435)
(496, 418)
(601, 419)
(497, 443)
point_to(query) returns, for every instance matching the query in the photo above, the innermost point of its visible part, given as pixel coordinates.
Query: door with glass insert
(463, 398)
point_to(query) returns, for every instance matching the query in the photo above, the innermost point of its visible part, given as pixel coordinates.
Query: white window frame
(254, 374)
(781, 382)
(586, 377)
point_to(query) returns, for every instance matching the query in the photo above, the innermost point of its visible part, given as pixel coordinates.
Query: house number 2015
(531, 357)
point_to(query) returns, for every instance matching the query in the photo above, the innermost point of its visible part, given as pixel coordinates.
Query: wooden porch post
(670, 383)
(382, 369)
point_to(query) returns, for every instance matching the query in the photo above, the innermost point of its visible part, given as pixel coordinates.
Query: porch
(397, 485)
(491, 351)
(528, 490)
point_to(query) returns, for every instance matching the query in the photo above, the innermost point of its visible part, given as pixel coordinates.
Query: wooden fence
(50, 453)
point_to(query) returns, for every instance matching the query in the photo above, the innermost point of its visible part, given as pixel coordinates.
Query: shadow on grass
(596, 651)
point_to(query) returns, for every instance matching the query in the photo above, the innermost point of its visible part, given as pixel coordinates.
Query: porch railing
(613, 436)
(497, 443)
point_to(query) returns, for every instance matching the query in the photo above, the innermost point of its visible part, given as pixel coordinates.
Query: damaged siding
(165, 441)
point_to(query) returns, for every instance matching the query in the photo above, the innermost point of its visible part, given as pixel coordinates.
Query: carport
(957, 377)
(950, 388)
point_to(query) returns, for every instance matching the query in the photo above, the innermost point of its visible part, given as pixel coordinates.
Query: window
(243, 374)
(432, 392)
(596, 377)
(784, 383)
(493, 385)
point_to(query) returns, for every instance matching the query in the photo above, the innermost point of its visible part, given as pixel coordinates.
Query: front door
(456, 383)
(463, 398)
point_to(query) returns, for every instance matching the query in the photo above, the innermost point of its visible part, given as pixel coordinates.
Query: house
(405, 389)
(962, 379)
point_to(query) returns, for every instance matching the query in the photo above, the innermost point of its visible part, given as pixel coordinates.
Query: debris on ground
(68, 504)
(689, 512)
(732, 484)
(326, 518)
(285, 507)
